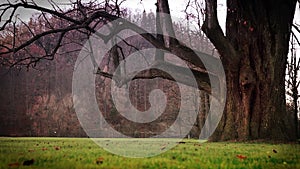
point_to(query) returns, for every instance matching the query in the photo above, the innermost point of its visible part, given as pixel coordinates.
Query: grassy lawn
(81, 153)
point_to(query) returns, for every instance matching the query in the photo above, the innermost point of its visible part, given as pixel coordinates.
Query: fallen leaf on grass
(44, 149)
(14, 164)
(99, 160)
(31, 150)
(241, 157)
(28, 162)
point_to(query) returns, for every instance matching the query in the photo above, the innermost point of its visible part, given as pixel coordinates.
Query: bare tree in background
(293, 81)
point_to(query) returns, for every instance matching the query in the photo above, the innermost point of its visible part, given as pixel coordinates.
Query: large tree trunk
(259, 33)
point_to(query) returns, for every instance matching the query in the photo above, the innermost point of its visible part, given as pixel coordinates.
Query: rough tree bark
(254, 53)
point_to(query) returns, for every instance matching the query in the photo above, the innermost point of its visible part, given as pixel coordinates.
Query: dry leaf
(241, 157)
(99, 160)
(14, 164)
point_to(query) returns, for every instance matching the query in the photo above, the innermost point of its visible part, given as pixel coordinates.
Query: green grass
(81, 153)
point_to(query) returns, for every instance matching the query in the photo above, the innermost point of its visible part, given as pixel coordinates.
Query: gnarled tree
(254, 53)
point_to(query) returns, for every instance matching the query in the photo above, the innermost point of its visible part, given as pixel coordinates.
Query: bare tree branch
(87, 23)
(296, 27)
(202, 78)
(212, 29)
